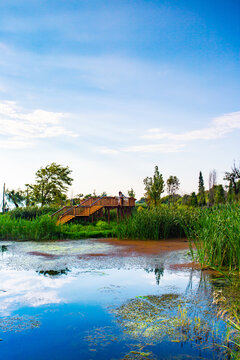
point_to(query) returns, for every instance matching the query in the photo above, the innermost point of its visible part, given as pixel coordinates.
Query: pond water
(105, 299)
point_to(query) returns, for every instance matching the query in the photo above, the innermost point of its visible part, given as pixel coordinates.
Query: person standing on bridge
(120, 200)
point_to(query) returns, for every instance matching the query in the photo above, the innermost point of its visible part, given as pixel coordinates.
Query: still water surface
(101, 299)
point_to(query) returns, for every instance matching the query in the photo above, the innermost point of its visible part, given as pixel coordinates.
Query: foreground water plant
(216, 237)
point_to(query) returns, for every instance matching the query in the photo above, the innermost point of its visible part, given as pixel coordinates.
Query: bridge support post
(108, 215)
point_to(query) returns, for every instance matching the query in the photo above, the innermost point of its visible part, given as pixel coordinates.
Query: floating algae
(164, 318)
(18, 323)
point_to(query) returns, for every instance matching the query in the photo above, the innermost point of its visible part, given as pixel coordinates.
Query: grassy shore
(215, 232)
(44, 228)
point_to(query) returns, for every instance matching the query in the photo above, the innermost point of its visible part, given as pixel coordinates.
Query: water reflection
(104, 307)
(53, 273)
(158, 273)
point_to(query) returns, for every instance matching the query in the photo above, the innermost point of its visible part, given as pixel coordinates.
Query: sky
(113, 88)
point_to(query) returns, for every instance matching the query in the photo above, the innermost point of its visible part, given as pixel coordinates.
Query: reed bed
(216, 237)
(161, 222)
(41, 228)
(45, 228)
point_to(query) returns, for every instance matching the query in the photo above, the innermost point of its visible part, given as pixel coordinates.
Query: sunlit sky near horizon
(113, 88)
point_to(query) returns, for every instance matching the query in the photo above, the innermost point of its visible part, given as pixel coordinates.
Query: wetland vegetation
(210, 220)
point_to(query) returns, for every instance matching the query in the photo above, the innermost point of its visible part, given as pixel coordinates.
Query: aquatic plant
(31, 212)
(45, 228)
(160, 222)
(216, 237)
(227, 299)
(168, 317)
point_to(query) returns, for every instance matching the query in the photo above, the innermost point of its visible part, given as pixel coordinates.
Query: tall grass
(162, 222)
(32, 212)
(216, 236)
(45, 228)
(42, 228)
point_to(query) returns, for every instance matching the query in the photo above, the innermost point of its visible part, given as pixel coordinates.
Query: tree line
(52, 183)
(216, 194)
(50, 187)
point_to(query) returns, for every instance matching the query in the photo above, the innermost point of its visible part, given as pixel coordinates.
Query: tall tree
(173, 184)
(233, 178)
(154, 187)
(201, 191)
(193, 199)
(51, 185)
(212, 181)
(219, 194)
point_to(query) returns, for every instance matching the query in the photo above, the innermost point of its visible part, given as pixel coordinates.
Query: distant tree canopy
(154, 187)
(173, 185)
(233, 178)
(51, 185)
(131, 193)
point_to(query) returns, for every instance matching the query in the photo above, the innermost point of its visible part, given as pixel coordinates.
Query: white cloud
(162, 148)
(220, 126)
(19, 127)
(105, 150)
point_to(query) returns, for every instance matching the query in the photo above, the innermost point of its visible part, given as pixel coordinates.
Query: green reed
(41, 228)
(161, 222)
(45, 228)
(216, 237)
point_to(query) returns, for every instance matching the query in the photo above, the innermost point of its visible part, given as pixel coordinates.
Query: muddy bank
(145, 247)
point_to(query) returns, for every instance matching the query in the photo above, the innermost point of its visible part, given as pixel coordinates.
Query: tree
(131, 193)
(201, 191)
(17, 197)
(219, 194)
(212, 181)
(154, 187)
(233, 178)
(193, 199)
(173, 184)
(52, 183)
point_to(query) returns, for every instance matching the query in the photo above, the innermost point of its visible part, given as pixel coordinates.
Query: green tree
(51, 185)
(233, 178)
(201, 191)
(212, 181)
(131, 193)
(154, 187)
(193, 199)
(173, 184)
(219, 194)
(17, 197)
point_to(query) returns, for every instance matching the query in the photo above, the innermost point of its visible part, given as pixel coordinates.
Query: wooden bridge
(95, 207)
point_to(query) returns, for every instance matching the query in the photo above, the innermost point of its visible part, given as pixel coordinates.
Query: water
(92, 299)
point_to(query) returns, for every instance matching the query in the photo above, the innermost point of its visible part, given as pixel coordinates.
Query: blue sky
(113, 88)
